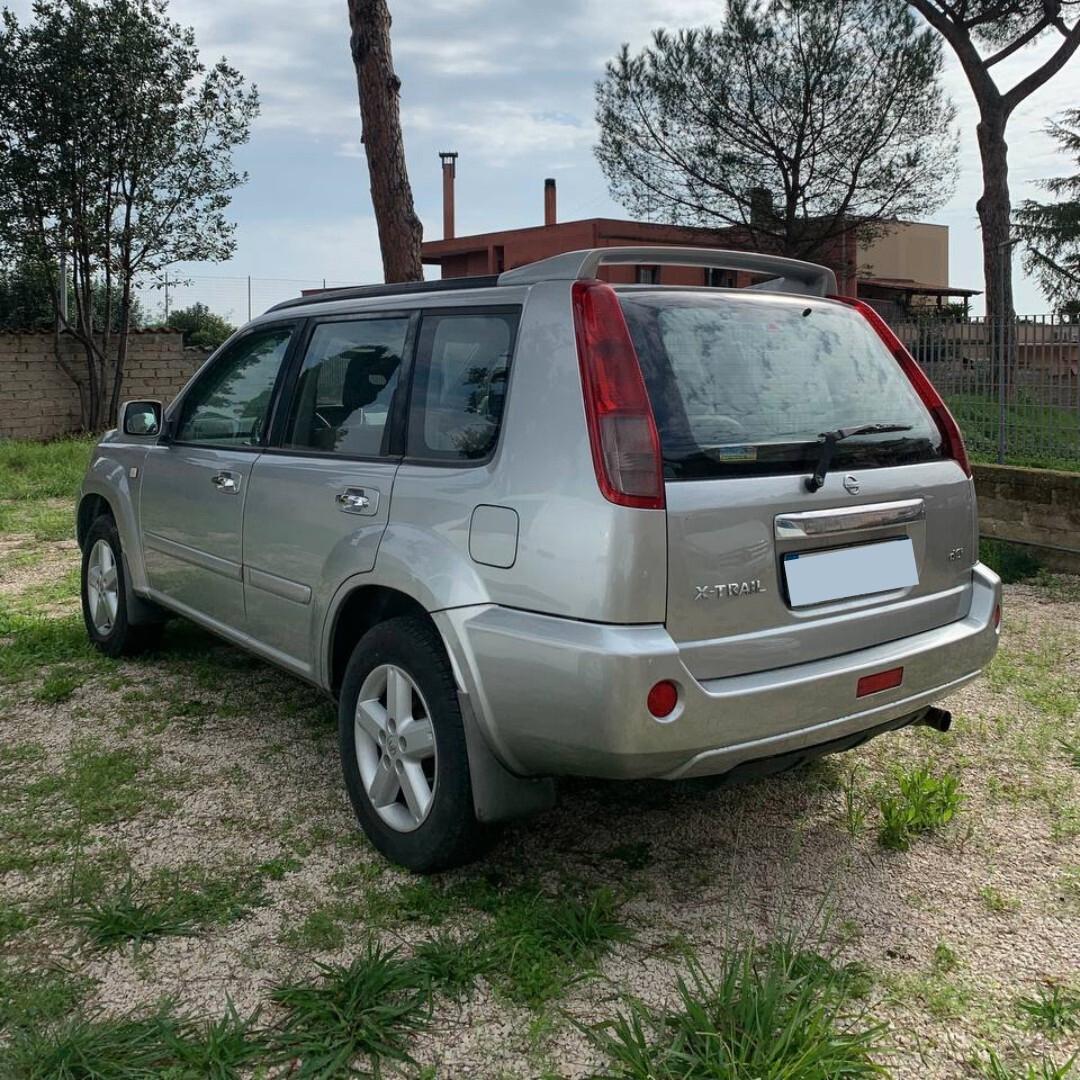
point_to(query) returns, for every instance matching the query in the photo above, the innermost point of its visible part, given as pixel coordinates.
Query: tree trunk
(400, 231)
(995, 215)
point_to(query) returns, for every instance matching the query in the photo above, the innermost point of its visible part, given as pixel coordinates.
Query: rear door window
(344, 397)
(459, 387)
(745, 385)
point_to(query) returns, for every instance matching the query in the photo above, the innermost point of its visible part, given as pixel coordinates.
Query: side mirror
(142, 418)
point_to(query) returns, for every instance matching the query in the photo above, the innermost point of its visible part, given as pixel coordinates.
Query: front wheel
(104, 595)
(403, 749)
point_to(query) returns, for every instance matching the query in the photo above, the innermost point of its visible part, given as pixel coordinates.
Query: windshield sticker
(734, 453)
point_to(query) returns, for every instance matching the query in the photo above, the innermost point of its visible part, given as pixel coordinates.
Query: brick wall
(1038, 507)
(38, 401)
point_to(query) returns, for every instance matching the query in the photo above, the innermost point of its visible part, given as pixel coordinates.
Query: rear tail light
(622, 429)
(952, 440)
(882, 680)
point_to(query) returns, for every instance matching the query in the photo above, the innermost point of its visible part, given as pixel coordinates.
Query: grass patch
(29, 643)
(1011, 562)
(922, 804)
(372, 1007)
(1055, 1009)
(58, 685)
(763, 1013)
(33, 999)
(52, 470)
(41, 521)
(137, 1048)
(449, 965)
(173, 903)
(537, 946)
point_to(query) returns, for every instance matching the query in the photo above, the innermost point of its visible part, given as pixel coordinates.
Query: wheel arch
(91, 507)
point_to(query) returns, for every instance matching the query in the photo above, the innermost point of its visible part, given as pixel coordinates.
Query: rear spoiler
(785, 275)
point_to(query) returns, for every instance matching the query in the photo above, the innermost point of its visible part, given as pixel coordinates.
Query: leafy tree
(26, 301)
(116, 148)
(400, 230)
(200, 326)
(983, 33)
(796, 120)
(1051, 230)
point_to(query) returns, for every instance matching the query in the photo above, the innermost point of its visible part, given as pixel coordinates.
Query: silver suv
(541, 525)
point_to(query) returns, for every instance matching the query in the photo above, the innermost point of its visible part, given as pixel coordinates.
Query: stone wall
(38, 401)
(1037, 507)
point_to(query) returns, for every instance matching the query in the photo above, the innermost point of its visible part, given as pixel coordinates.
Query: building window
(719, 279)
(648, 275)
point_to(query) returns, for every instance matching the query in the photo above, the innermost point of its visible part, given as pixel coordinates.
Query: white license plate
(816, 577)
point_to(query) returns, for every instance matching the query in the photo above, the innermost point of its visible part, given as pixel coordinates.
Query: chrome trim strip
(278, 586)
(848, 519)
(202, 559)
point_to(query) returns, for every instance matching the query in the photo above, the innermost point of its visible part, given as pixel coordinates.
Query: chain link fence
(1013, 387)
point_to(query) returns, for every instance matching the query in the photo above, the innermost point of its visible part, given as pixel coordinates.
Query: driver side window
(230, 404)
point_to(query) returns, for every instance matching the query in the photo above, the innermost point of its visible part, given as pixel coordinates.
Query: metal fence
(1013, 387)
(236, 299)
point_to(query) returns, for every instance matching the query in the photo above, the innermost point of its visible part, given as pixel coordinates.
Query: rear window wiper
(828, 440)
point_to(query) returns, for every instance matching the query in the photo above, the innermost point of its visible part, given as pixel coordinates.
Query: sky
(509, 85)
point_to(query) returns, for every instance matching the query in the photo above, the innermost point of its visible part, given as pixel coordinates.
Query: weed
(1071, 749)
(994, 1068)
(13, 920)
(371, 1007)
(945, 959)
(123, 918)
(634, 856)
(320, 931)
(539, 945)
(136, 1048)
(996, 901)
(854, 808)
(35, 998)
(449, 965)
(1055, 1009)
(1011, 562)
(763, 1013)
(922, 804)
(58, 685)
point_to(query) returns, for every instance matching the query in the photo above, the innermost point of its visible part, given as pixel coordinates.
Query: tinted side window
(229, 405)
(459, 390)
(343, 399)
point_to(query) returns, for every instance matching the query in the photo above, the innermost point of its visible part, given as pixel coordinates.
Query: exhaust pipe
(938, 719)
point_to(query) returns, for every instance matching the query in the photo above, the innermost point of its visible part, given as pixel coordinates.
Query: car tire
(416, 807)
(105, 595)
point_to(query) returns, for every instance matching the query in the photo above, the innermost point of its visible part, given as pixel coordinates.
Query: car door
(319, 497)
(195, 484)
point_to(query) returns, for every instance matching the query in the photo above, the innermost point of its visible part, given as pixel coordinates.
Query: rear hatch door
(763, 572)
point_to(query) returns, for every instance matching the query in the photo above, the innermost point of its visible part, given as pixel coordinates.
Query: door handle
(358, 501)
(226, 483)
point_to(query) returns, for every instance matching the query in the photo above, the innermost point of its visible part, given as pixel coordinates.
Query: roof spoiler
(785, 275)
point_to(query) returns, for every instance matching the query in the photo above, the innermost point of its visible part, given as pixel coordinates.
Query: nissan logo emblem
(851, 485)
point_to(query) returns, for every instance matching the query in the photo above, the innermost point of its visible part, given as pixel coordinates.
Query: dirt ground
(223, 766)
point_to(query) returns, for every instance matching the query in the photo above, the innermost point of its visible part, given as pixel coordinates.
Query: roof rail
(404, 288)
(787, 275)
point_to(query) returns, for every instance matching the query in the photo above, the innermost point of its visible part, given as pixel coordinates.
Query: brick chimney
(550, 213)
(449, 172)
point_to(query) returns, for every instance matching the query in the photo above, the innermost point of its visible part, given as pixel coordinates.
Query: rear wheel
(403, 750)
(104, 595)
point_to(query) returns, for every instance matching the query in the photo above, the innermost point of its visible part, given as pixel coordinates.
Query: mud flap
(499, 795)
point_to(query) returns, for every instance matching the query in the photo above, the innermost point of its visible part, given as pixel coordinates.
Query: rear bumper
(559, 697)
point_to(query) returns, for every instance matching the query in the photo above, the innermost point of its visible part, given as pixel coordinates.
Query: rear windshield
(743, 384)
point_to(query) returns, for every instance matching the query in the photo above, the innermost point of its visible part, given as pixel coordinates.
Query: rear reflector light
(883, 680)
(997, 617)
(622, 430)
(662, 699)
(952, 440)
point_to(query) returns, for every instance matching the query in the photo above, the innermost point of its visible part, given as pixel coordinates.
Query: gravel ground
(240, 769)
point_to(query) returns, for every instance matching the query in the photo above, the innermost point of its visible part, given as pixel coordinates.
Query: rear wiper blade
(828, 440)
